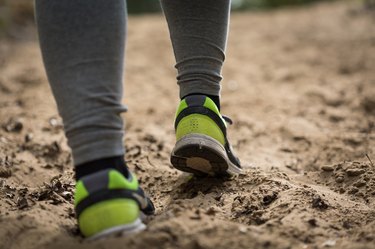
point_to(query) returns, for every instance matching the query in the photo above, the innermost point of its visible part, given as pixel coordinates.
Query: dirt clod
(340, 179)
(319, 203)
(22, 203)
(268, 199)
(327, 168)
(13, 125)
(5, 172)
(355, 172)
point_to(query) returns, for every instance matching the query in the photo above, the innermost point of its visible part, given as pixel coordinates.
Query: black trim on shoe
(117, 162)
(228, 148)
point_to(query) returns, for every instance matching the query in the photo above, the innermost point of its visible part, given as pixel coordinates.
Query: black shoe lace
(227, 119)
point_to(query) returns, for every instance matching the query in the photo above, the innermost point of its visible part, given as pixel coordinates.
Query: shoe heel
(199, 154)
(202, 155)
(199, 124)
(109, 217)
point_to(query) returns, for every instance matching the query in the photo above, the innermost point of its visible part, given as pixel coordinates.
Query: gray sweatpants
(82, 44)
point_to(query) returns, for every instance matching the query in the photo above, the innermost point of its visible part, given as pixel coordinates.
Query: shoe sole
(123, 230)
(202, 155)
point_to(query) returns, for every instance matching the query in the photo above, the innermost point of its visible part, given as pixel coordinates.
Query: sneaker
(202, 147)
(107, 202)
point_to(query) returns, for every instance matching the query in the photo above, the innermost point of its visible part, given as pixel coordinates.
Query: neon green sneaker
(107, 202)
(202, 147)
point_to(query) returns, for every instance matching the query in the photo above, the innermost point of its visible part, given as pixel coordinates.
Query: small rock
(28, 137)
(355, 172)
(335, 117)
(327, 168)
(360, 183)
(329, 243)
(22, 203)
(54, 122)
(339, 179)
(218, 197)
(267, 244)
(313, 222)
(346, 224)
(319, 203)
(13, 125)
(3, 140)
(353, 190)
(353, 141)
(268, 199)
(71, 213)
(47, 166)
(360, 194)
(196, 215)
(342, 190)
(211, 211)
(67, 195)
(242, 229)
(5, 173)
(23, 191)
(368, 104)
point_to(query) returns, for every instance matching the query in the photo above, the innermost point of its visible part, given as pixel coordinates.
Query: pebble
(5, 173)
(340, 179)
(242, 229)
(354, 172)
(353, 190)
(13, 125)
(360, 183)
(22, 203)
(342, 190)
(28, 137)
(329, 243)
(327, 168)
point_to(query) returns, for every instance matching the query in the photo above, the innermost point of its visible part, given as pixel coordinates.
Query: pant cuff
(199, 87)
(91, 146)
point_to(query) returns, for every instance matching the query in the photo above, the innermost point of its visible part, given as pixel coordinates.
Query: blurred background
(20, 12)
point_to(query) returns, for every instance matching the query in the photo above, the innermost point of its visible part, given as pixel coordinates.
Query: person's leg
(82, 44)
(198, 30)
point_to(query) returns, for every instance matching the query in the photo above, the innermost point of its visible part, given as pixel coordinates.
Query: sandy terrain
(300, 85)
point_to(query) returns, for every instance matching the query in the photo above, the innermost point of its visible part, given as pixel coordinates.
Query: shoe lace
(227, 119)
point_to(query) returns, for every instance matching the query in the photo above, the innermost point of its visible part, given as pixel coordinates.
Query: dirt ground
(300, 85)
